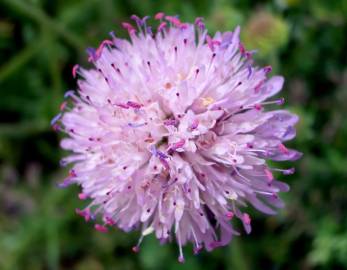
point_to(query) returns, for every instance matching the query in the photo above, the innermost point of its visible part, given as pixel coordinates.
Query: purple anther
(171, 122)
(195, 124)
(69, 93)
(84, 213)
(91, 52)
(67, 182)
(136, 19)
(123, 106)
(55, 119)
(161, 155)
(134, 105)
(250, 71)
(280, 101)
(267, 69)
(288, 171)
(199, 22)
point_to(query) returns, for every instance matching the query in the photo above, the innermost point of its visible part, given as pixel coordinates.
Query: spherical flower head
(169, 134)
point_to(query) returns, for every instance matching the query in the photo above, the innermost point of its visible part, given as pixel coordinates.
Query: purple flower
(168, 134)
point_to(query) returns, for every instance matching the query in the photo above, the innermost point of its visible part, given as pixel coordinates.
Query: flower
(168, 134)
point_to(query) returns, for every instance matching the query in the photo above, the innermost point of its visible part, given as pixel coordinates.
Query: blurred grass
(41, 40)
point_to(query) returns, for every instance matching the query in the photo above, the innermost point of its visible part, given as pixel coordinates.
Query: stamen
(55, 119)
(148, 231)
(175, 21)
(72, 173)
(209, 42)
(165, 163)
(91, 53)
(229, 215)
(100, 228)
(277, 102)
(183, 26)
(113, 36)
(242, 49)
(180, 257)
(137, 20)
(280, 101)
(161, 26)
(286, 171)
(159, 16)
(74, 70)
(84, 213)
(269, 175)
(101, 47)
(199, 22)
(267, 69)
(171, 122)
(66, 182)
(110, 221)
(131, 30)
(258, 107)
(63, 105)
(144, 20)
(246, 218)
(283, 149)
(249, 67)
(149, 30)
(134, 105)
(82, 196)
(197, 247)
(264, 192)
(195, 124)
(69, 93)
(177, 145)
(123, 106)
(56, 127)
(136, 125)
(161, 155)
(249, 54)
(136, 248)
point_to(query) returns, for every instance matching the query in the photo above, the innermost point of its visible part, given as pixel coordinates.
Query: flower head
(168, 134)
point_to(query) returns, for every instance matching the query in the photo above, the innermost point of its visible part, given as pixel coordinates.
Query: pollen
(207, 101)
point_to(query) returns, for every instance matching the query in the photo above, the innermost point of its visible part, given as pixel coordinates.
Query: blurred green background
(41, 40)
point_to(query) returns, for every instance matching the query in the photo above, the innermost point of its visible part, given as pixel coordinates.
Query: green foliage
(40, 41)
